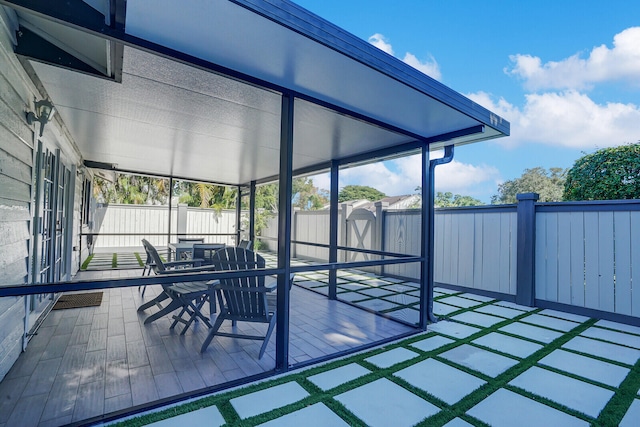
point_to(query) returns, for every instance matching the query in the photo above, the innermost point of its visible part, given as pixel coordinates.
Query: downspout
(448, 157)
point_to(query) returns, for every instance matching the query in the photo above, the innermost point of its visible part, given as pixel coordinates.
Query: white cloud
(567, 118)
(403, 175)
(620, 63)
(429, 67)
(380, 41)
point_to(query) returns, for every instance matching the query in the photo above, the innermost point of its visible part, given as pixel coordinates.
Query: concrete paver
(441, 380)
(432, 343)
(209, 416)
(383, 403)
(532, 332)
(575, 394)
(316, 415)
(621, 338)
(507, 344)
(505, 408)
(498, 310)
(619, 326)
(335, 377)
(453, 329)
(604, 349)
(587, 367)
(632, 416)
(391, 357)
(269, 399)
(479, 319)
(484, 361)
(460, 302)
(550, 322)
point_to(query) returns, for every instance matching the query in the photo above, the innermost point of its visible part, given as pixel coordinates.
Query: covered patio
(230, 92)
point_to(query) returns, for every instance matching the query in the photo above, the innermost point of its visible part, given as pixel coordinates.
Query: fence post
(378, 232)
(526, 249)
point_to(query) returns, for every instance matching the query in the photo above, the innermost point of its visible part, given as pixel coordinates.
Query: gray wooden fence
(589, 256)
(585, 254)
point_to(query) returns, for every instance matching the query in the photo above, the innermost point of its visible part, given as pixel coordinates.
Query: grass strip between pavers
(611, 415)
(137, 255)
(86, 262)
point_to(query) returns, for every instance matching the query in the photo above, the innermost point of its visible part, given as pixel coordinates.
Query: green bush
(608, 174)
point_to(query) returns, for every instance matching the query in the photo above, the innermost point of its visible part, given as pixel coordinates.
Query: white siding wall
(589, 259)
(17, 93)
(16, 159)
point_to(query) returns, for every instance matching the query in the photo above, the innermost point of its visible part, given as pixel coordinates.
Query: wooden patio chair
(245, 244)
(205, 251)
(187, 296)
(241, 299)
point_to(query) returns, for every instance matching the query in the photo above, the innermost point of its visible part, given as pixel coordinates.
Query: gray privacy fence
(578, 254)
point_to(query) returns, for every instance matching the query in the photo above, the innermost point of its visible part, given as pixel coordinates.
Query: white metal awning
(193, 88)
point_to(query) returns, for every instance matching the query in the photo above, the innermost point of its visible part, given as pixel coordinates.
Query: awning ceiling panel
(173, 116)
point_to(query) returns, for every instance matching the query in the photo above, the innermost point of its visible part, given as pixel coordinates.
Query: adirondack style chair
(187, 296)
(241, 299)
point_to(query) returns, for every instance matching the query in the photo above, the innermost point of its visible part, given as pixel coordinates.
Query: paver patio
(562, 381)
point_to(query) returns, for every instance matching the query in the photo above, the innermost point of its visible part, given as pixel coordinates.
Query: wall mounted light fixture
(44, 113)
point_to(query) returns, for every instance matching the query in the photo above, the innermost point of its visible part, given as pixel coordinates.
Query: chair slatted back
(246, 244)
(153, 254)
(205, 251)
(243, 304)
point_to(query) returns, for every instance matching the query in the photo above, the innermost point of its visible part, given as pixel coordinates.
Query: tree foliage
(450, 200)
(548, 184)
(132, 189)
(359, 192)
(608, 174)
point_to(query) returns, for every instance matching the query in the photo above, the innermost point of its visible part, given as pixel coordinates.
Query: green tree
(359, 192)
(608, 174)
(449, 200)
(548, 184)
(131, 189)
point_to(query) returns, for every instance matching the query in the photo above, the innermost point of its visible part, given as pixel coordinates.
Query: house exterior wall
(16, 162)
(17, 159)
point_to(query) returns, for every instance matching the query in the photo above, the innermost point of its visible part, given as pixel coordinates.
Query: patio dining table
(179, 249)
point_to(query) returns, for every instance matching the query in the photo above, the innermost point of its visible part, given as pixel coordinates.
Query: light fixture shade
(44, 113)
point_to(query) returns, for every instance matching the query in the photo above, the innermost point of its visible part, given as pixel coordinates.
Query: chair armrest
(199, 269)
(197, 262)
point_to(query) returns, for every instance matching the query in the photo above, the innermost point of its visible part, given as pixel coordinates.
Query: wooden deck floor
(87, 362)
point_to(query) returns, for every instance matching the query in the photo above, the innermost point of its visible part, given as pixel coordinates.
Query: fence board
(551, 277)
(563, 262)
(591, 234)
(578, 280)
(466, 249)
(635, 262)
(504, 253)
(622, 259)
(477, 250)
(438, 249)
(605, 262)
(541, 256)
(490, 256)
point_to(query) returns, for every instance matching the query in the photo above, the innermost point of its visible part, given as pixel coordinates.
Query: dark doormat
(89, 299)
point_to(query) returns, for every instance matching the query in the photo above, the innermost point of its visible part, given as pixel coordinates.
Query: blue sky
(566, 74)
